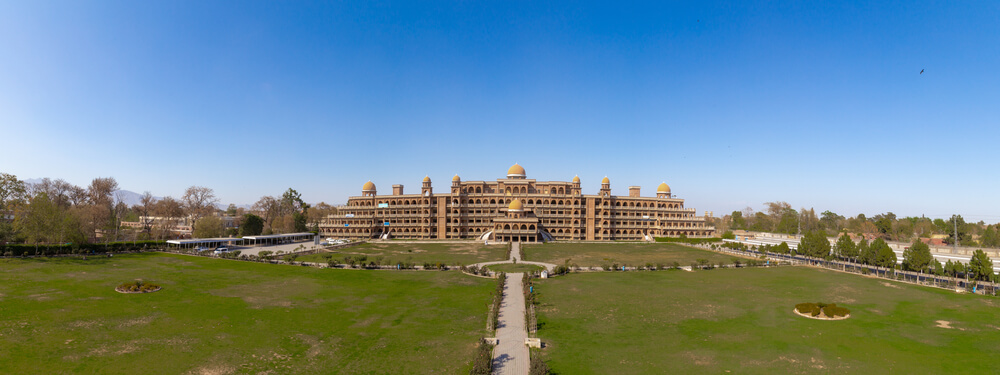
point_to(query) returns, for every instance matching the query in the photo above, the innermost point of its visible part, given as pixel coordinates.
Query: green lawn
(220, 317)
(630, 254)
(418, 253)
(741, 321)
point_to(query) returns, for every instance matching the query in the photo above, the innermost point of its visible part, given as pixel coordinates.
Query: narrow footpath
(510, 356)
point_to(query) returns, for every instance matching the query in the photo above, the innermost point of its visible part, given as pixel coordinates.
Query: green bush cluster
(498, 299)
(814, 309)
(17, 250)
(537, 366)
(693, 241)
(482, 364)
(138, 287)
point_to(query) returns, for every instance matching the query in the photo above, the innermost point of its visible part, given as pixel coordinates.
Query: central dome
(516, 171)
(664, 188)
(605, 180)
(368, 186)
(515, 206)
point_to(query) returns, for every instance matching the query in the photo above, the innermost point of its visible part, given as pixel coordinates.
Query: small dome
(456, 178)
(664, 188)
(368, 186)
(516, 170)
(427, 178)
(576, 179)
(515, 206)
(605, 180)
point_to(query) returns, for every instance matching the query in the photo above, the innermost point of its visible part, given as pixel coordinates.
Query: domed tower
(575, 187)
(663, 191)
(426, 189)
(515, 209)
(456, 185)
(368, 189)
(516, 172)
(605, 187)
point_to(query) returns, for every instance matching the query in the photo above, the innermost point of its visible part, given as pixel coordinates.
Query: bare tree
(99, 194)
(268, 208)
(144, 208)
(167, 210)
(199, 201)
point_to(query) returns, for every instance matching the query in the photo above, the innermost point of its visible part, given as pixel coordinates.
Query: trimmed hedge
(17, 250)
(137, 287)
(693, 241)
(814, 309)
(482, 364)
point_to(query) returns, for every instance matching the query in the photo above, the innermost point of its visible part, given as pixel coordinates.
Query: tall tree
(268, 208)
(831, 222)
(884, 256)
(981, 266)
(252, 225)
(199, 201)
(100, 194)
(866, 254)
(846, 249)
(167, 211)
(13, 193)
(815, 244)
(736, 218)
(917, 257)
(144, 209)
(208, 227)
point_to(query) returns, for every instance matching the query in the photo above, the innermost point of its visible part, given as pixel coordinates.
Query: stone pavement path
(511, 356)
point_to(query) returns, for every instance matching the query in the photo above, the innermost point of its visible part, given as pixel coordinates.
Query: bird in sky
(921, 71)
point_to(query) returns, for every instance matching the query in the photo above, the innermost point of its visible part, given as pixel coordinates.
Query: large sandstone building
(515, 208)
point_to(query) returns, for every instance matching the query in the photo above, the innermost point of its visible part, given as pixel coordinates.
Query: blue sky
(731, 103)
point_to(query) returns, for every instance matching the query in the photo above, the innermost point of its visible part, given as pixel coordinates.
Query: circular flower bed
(822, 311)
(137, 287)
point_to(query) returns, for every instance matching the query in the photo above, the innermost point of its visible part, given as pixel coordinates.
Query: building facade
(514, 208)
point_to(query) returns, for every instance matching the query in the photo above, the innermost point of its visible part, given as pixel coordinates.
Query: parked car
(221, 250)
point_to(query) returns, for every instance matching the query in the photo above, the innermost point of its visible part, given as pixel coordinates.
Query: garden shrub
(482, 364)
(833, 310)
(137, 287)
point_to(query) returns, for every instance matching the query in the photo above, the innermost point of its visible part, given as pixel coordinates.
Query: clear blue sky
(733, 103)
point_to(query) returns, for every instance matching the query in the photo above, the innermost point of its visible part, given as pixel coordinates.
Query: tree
(167, 210)
(846, 249)
(831, 222)
(100, 194)
(268, 208)
(252, 225)
(144, 208)
(884, 256)
(782, 248)
(199, 201)
(866, 254)
(917, 257)
(937, 268)
(815, 244)
(980, 266)
(208, 227)
(737, 220)
(13, 193)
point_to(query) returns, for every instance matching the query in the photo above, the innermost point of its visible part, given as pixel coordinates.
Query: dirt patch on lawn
(890, 285)
(269, 294)
(946, 325)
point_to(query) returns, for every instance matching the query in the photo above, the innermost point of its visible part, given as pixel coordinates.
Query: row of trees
(55, 211)
(917, 257)
(780, 217)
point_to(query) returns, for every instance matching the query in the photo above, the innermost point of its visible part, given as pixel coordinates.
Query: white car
(222, 250)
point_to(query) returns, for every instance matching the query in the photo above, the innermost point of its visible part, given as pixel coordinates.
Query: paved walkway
(511, 356)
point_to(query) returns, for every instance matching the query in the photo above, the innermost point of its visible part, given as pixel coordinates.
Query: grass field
(221, 317)
(741, 320)
(418, 253)
(630, 254)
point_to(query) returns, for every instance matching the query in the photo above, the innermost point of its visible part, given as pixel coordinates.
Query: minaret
(426, 190)
(605, 187)
(456, 185)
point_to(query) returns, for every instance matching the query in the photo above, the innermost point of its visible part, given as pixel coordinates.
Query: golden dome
(516, 170)
(515, 206)
(605, 180)
(576, 179)
(427, 178)
(456, 178)
(664, 188)
(368, 186)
